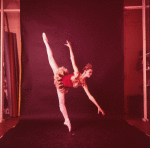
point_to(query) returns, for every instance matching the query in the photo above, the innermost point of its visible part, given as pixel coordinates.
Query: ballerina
(63, 81)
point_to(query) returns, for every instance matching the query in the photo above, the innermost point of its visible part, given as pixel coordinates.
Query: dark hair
(87, 67)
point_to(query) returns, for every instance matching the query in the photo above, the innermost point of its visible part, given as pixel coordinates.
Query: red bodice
(67, 80)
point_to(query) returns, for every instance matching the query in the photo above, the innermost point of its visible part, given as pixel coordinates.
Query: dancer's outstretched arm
(93, 100)
(76, 71)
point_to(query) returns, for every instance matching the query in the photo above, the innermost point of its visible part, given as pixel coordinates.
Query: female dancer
(63, 80)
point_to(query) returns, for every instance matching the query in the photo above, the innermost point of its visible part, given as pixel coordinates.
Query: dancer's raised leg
(61, 97)
(51, 60)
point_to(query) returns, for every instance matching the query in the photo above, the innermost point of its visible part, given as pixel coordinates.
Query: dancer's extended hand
(44, 38)
(100, 110)
(68, 44)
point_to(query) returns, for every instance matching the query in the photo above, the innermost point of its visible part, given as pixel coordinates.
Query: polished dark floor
(108, 133)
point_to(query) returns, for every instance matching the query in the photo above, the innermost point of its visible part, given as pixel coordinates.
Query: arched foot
(68, 124)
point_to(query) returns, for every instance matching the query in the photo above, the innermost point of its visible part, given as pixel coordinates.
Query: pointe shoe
(44, 38)
(67, 122)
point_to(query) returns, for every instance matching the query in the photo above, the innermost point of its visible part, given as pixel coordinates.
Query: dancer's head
(87, 70)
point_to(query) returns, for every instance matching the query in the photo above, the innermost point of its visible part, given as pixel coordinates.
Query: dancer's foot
(44, 38)
(67, 122)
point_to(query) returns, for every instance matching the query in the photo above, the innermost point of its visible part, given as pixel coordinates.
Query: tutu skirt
(58, 79)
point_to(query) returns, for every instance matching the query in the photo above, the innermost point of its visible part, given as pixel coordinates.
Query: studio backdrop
(95, 30)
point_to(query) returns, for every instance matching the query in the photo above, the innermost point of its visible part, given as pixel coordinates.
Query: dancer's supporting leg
(61, 96)
(63, 109)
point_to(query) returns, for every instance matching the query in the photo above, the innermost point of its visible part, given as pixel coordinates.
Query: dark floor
(137, 122)
(8, 124)
(85, 133)
(141, 125)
